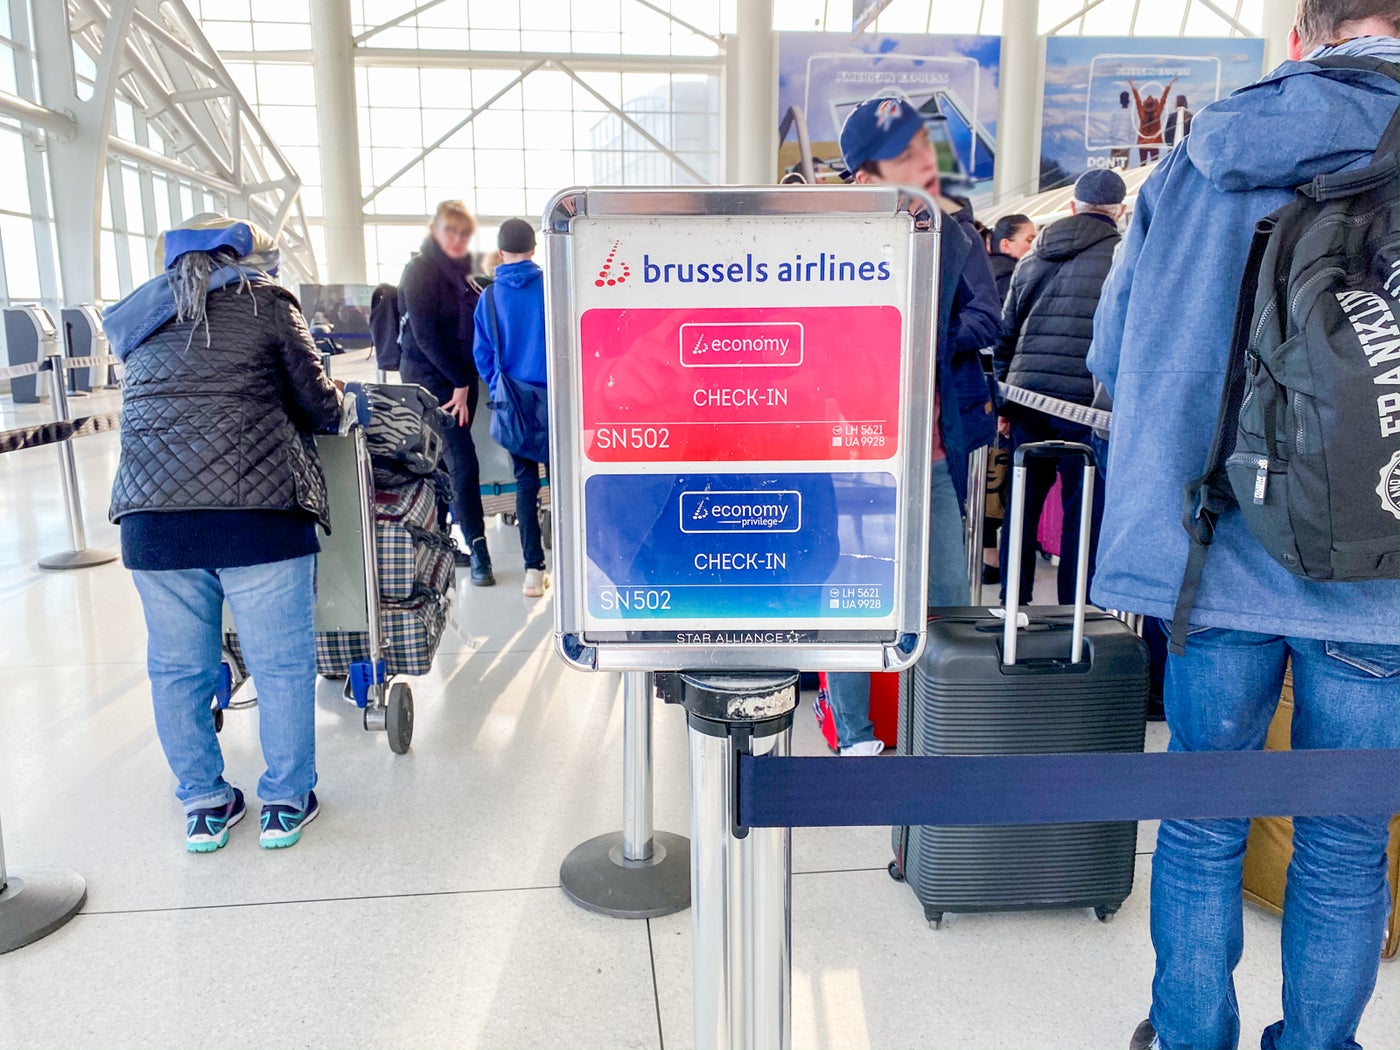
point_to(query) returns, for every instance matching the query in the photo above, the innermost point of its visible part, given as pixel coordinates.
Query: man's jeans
(272, 608)
(947, 586)
(1221, 696)
(527, 510)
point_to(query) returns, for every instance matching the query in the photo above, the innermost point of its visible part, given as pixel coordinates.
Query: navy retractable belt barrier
(1065, 789)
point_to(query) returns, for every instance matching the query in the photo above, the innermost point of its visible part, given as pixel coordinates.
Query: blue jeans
(848, 691)
(272, 607)
(527, 510)
(1221, 696)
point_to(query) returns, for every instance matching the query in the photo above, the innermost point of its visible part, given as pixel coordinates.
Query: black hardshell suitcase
(961, 698)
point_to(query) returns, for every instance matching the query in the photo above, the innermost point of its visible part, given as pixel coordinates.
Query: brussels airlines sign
(737, 418)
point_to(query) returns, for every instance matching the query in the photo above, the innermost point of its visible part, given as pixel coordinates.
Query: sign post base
(598, 877)
(36, 902)
(635, 873)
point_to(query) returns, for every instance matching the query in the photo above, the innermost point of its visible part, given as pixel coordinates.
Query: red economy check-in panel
(734, 385)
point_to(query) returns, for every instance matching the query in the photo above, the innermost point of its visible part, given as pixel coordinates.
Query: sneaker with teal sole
(206, 830)
(282, 824)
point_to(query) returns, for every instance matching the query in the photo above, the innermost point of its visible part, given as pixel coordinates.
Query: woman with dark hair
(1011, 238)
(218, 494)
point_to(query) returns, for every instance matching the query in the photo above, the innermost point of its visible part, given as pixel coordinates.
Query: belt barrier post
(79, 555)
(35, 902)
(741, 878)
(640, 873)
(976, 518)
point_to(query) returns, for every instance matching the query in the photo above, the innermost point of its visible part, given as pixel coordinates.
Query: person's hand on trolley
(458, 407)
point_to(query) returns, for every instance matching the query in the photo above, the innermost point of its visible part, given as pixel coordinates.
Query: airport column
(337, 128)
(749, 95)
(1018, 145)
(1279, 18)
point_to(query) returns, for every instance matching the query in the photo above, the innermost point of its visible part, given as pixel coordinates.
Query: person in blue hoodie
(514, 344)
(884, 140)
(1164, 366)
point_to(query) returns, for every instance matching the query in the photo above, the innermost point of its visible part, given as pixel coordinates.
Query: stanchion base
(596, 877)
(36, 902)
(83, 559)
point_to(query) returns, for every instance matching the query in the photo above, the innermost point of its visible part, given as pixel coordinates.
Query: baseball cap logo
(886, 113)
(612, 272)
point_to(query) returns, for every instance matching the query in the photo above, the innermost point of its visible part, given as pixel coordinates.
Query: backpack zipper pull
(1261, 482)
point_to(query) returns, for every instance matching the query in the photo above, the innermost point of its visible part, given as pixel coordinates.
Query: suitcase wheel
(894, 871)
(218, 719)
(398, 720)
(1105, 912)
(935, 918)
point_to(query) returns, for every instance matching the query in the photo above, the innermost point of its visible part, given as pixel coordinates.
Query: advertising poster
(1121, 102)
(952, 80)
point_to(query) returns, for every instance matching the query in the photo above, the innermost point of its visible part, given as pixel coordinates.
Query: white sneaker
(865, 747)
(536, 580)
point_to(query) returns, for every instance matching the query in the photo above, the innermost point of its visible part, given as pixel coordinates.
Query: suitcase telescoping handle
(1047, 450)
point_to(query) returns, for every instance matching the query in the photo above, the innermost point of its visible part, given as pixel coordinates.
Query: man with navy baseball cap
(884, 140)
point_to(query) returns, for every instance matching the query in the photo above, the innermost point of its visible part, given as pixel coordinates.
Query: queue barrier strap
(58, 430)
(35, 367)
(1065, 789)
(1096, 418)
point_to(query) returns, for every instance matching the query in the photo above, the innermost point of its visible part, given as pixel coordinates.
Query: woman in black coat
(438, 296)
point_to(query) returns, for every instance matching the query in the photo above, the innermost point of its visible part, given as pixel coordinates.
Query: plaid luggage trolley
(384, 578)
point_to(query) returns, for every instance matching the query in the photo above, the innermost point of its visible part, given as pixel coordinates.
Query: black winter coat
(226, 426)
(438, 298)
(1002, 268)
(1048, 319)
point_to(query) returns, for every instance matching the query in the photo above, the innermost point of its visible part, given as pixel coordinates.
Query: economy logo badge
(612, 272)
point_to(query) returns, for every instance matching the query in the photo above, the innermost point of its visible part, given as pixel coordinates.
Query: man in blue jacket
(884, 140)
(514, 344)
(1161, 339)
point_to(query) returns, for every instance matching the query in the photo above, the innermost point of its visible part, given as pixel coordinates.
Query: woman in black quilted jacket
(218, 494)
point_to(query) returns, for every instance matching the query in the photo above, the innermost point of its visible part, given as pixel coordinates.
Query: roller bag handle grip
(1047, 450)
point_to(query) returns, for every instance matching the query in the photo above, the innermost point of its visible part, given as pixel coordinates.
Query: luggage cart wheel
(398, 717)
(1105, 914)
(935, 919)
(894, 871)
(218, 719)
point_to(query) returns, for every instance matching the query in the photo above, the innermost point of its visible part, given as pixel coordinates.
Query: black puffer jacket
(226, 426)
(1048, 319)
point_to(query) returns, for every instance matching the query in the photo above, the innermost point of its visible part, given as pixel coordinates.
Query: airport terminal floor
(424, 908)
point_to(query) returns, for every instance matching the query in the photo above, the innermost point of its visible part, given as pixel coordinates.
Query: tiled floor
(423, 908)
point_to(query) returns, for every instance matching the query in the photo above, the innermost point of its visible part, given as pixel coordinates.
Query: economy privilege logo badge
(613, 272)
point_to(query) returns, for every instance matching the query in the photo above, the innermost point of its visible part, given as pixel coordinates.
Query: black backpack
(385, 323)
(1307, 442)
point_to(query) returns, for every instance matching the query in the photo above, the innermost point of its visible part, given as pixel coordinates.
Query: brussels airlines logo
(612, 272)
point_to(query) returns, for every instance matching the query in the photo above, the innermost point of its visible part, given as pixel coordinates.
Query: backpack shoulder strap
(490, 296)
(1210, 495)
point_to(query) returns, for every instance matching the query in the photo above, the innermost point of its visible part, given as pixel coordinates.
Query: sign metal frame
(656, 646)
